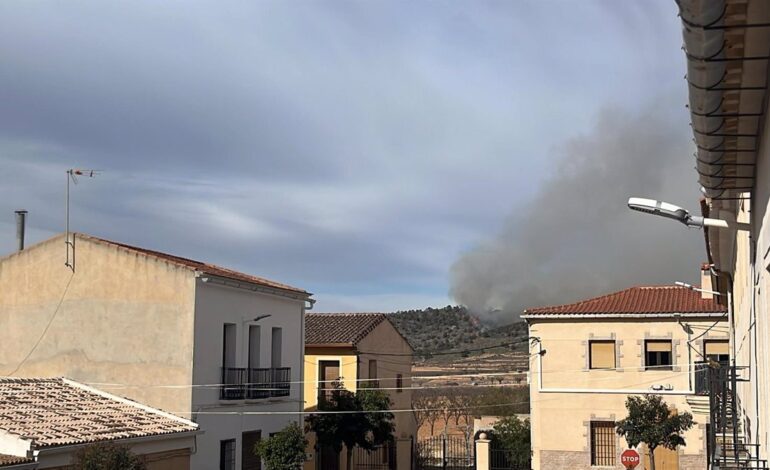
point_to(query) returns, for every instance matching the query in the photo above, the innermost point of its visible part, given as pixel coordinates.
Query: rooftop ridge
(643, 299)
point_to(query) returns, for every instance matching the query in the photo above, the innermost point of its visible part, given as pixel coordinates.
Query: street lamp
(664, 209)
(257, 318)
(696, 289)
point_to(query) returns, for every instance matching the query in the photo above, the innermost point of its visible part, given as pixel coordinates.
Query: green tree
(284, 450)
(352, 420)
(107, 456)
(652, 422)
(513, 435)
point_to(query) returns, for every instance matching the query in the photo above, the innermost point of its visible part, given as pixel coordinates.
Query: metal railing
(702, 378)
(243, 383)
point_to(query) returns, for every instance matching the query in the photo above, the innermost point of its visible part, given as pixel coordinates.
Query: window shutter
(659, 346)
(716, 347)
(602, 354)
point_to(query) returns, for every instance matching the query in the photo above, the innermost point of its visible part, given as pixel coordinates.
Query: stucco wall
(394, 356)
(348, 360)
(216, 305)
(750, 269)
(561, 420)
(124, 318)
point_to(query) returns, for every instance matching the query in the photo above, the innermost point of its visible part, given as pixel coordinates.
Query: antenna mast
(69, 242)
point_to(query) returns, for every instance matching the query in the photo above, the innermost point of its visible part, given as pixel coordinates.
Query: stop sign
(629, 458)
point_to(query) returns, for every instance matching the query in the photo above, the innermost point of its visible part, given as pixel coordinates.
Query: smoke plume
(576, 238)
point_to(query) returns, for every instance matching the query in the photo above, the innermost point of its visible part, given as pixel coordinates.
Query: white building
(222, 348)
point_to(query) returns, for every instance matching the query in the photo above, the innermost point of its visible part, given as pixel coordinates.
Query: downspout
(307, 305)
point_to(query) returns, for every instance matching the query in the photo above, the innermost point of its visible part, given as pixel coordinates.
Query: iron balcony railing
(702, 378)
(243, 383)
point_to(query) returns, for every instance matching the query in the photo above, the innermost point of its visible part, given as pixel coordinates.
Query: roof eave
(534, 316)
(330, 345)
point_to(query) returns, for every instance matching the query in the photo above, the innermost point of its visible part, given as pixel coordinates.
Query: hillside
(453, 328)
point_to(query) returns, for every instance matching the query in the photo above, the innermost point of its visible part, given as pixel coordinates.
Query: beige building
(44, 423)
(726, 44)
(588, 357)
(356, 349)
(213, 345)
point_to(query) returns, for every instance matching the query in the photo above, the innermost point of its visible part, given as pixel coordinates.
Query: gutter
(227, 282)
(621, 316)
(132, 440)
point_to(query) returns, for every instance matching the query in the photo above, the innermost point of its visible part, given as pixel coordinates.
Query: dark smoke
(576, 238)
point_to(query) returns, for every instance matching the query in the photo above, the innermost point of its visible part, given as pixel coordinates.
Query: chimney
(705, 281)
(21, 219)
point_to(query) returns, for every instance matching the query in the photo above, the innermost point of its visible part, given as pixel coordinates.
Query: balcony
(702, 378)
(242, 383)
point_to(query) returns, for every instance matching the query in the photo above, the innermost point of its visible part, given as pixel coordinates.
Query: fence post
(483, 452)
(403, 453)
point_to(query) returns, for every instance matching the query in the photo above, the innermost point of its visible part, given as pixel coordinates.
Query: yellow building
(357, 348)
(726, 44)
(588, 357)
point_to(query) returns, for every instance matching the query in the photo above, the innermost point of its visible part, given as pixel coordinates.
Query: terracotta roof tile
(55, 412)
(14, 460)
(637, 300)
(200, 266)
(340, 328)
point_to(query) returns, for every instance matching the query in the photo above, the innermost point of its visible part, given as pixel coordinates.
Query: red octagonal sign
(629, 458)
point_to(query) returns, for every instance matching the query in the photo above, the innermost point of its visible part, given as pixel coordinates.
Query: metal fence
(499, 460)
(239, 383)
(380, 458)
(445, 453)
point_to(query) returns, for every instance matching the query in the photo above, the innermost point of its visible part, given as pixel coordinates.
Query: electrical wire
(661, 368)
(410, 410)
(47, 326)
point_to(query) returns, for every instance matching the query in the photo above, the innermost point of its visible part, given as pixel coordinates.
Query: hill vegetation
(453, 328)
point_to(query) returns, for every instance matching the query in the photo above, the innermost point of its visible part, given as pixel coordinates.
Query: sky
(364, 151)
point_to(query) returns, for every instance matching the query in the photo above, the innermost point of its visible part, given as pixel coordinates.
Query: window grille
(227, 454)
(603, 443)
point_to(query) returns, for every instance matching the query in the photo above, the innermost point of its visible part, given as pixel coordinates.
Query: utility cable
(47, 326)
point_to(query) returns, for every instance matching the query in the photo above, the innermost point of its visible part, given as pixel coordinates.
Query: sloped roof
(340, 328)
(643, 300)
(55, 412)
(8, 460)
(199, 266)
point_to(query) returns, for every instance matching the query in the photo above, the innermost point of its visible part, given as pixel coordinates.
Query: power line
(47, 326)
(117, 385)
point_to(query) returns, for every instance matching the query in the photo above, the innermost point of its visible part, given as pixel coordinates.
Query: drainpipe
(21, 220)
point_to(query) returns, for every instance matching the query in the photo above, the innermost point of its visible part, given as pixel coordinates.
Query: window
(328, 373)
(228, 345)
(657, 355)
(399, 383)
(601, 354)
(254, 333)
(603, 443)
(227, 454)
(277, 346)
(249, 460)
(717, 351)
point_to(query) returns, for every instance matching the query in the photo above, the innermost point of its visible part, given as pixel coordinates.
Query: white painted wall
(216, 305)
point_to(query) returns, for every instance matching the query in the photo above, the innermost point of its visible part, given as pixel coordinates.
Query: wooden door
(329, 371)
(665, 459)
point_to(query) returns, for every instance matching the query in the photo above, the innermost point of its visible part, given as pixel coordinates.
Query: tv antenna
(69, 241)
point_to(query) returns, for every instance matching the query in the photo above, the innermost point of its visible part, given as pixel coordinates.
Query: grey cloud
(353, 149)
